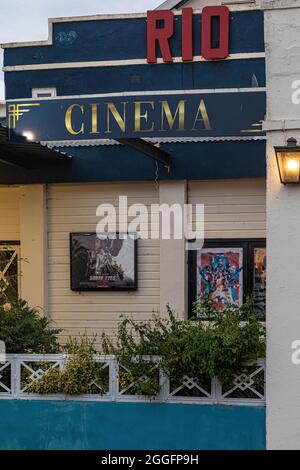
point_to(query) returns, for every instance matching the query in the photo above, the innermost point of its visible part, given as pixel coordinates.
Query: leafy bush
(218, 348)
(200, 349)
(23, 330)
(79, 374)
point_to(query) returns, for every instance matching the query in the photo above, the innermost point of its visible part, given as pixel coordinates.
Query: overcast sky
(26, 20)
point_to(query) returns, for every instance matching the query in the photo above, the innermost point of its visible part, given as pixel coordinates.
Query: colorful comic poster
(260, 275)
(220, 276)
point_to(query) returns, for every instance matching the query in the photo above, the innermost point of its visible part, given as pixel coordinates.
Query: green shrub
(200, 349)
(218, 348)
(23, 330)
(79, 374)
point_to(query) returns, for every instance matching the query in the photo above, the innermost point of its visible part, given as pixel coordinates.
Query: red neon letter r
(209, 52)
(162, 35)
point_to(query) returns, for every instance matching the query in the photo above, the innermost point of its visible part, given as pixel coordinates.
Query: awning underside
(22, 153)
(193, 160)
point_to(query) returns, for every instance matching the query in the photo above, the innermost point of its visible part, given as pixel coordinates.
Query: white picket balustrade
(20, 371)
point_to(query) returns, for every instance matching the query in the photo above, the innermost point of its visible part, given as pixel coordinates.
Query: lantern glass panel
(289, 166)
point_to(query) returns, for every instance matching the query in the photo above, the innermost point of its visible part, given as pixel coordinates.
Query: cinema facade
(167, 107)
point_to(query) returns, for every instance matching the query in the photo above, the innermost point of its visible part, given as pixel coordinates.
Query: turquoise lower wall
(58, 425)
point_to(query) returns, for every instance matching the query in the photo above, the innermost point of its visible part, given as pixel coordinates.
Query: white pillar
(283, 308)
(283, 228)
(173, 256)
(33, 238)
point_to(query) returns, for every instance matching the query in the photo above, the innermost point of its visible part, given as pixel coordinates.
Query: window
(9, 272)
(227, 271)
(43, 93)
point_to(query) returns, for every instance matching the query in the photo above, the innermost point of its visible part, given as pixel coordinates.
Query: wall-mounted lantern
(288, 161)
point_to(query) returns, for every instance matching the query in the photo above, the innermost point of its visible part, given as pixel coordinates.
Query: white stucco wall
(282, 33)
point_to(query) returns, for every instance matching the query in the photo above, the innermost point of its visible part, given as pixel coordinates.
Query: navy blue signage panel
(237, 73)
(125, 38)
(140, 116)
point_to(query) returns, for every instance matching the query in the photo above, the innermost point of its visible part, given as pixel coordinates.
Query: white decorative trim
(148, 93)
(120, 63)
(278, 4)
(154, 140)
(173, 4)
(281, 125)
(50, 91)
(14, 387)
(169, 4)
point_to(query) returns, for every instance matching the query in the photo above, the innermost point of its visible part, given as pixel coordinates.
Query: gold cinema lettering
(136, 117)
(202, 111)
(166, 113)
(68, 119)
(94, 119)
(121, 121)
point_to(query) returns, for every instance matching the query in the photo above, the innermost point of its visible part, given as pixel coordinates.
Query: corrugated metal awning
(162, 140)
(20, 152)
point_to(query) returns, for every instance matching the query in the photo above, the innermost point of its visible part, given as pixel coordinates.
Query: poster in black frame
(104, 262)
(249, 246)
(258, 276)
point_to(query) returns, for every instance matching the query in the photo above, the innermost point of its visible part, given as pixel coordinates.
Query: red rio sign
(161, 35)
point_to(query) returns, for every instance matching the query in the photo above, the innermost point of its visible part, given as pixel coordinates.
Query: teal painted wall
(58, 425)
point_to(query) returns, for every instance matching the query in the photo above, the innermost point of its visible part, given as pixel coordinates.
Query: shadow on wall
(57, 425)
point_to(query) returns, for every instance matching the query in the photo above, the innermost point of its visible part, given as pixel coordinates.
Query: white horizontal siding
(72, 208)
(233, 208)
(9, 214)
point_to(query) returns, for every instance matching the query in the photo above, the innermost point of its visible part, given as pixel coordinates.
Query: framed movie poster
(220, 276)
(259, 284)
(107, 262)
